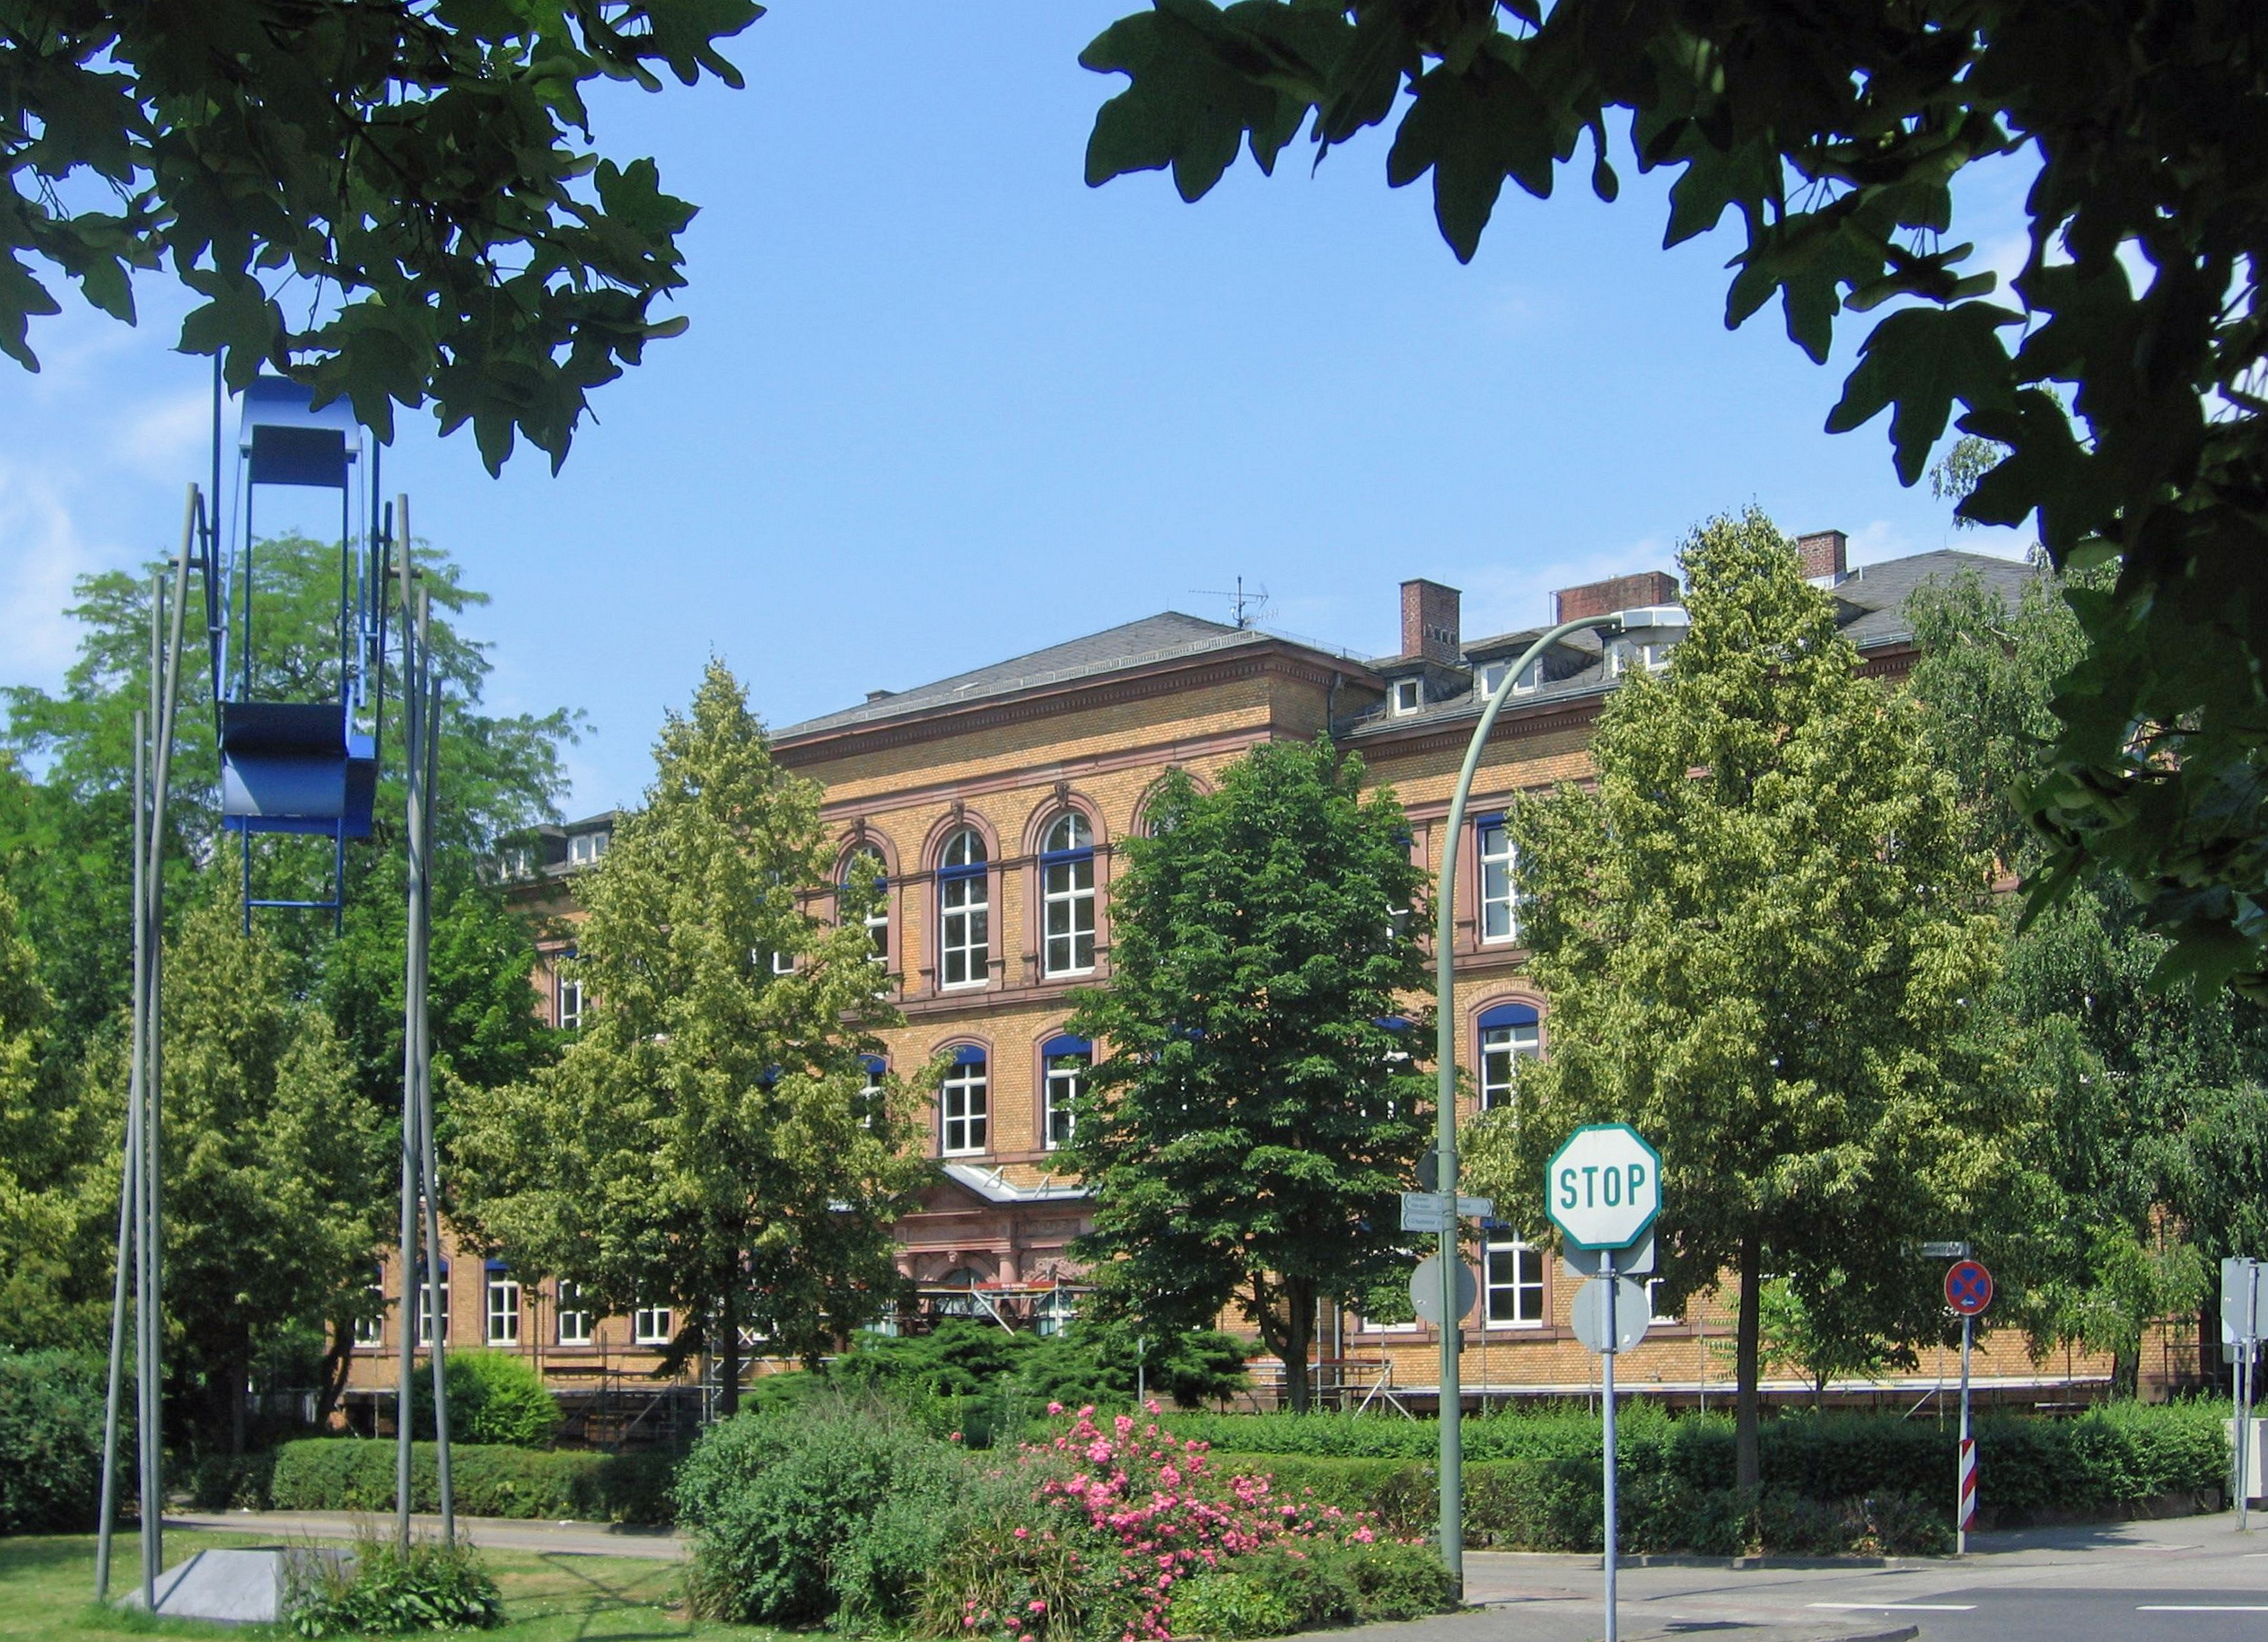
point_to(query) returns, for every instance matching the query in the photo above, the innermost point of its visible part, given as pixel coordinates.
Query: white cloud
(41, 553)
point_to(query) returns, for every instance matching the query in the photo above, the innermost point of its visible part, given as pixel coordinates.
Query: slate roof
(1874, 597)
(1167, 636)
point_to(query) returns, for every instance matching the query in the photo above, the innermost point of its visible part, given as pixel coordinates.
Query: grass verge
(549, 1596)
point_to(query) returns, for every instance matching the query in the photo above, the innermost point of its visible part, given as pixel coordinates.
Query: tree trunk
(728, 1350)
(336, 1361)
(240, 1374)
(1746, 1471)
(1299, 1300)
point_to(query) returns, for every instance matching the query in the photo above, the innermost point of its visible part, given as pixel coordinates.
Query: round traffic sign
(1426, 1289)
(1603, 1188)
(1968, 1288)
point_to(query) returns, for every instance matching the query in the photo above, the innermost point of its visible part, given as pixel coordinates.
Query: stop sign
(1603, 1188)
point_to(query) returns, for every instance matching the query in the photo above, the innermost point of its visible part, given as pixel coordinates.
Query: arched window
(964, 905)
(877, 920)
(1499, 887)
(1067, 896)
(1509, 1035)
(1068, 1060)
(964, 1104)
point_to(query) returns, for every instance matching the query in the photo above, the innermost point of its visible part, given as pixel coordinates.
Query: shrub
(51, 1440)
(776, 1501)
(494, 1396)
(357, 1474)
(1230, 1605)
(234, 1481)
(381, 1592)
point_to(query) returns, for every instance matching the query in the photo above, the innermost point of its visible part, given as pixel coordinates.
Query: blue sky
(942, 403)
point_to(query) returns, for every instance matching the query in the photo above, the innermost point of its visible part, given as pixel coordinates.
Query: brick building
(996, 802)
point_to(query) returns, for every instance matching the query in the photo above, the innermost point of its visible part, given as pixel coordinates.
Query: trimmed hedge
(357, 1474)
(51, 1440)
(1532, 1479)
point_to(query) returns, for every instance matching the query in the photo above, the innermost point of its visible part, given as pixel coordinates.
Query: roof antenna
(1249, 607)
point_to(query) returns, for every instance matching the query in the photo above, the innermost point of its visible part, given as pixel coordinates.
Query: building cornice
(1280, 657)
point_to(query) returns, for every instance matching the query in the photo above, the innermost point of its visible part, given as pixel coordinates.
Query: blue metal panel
(314, 457)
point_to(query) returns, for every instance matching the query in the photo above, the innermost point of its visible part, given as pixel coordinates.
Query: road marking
(2202, 1608)
(1896, 1607)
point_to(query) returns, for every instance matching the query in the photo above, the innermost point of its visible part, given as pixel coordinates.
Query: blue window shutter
(1509, 1014)
(968, 1055)
(1065, 1046)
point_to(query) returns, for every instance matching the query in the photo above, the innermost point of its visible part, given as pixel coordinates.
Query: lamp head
(1652, 624)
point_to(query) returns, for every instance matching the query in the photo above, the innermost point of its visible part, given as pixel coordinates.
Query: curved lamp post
(1646, 624)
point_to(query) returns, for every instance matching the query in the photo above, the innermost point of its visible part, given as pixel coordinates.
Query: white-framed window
(502, 1308)
(572, 1315)
(877, 921)
(1491, 674)
(1623, 655)
(1068, 1062)
(1653, 1305)
(371, 1330)
(1509, 1035)
(1368, 1326)
(424, 1309)
(964, 903)
(585, 847)
(566, 996)
(1067, 897)
(517, 863)
(1409, 695)
(1500, 886)
(783, 963)
(1515, 1297)
(650, 1326)
(870, 1098)
(964, 1105)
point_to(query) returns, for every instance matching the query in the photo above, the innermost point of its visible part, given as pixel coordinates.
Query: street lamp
(1647, 625)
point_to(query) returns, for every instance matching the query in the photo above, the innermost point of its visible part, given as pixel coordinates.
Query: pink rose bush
(1125, 1515)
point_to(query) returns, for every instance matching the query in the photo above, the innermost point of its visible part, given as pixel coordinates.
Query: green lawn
(44, 1582)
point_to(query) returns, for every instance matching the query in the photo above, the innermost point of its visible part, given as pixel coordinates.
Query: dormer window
(1409, 695)
(585, 847)
(1493, 674)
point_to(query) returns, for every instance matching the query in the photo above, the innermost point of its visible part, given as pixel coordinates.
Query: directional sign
(2244, 1300)
(1968, 1288)
(1426, 1289)
(1604, 1187)
(1427, 1211)
(1633, 1262)
(1632, 1313)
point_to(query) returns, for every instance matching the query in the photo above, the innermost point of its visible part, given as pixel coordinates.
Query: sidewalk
(489, 1533)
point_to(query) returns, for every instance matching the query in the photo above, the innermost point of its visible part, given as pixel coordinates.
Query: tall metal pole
(1452, 1392)
(1964, 1484)
(137, 1127)
(129, 1195)
(413, 1300)
(428, 723)
(1607, 1276)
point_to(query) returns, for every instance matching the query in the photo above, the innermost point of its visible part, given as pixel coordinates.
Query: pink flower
(1055, 1407)
(1038, 1606)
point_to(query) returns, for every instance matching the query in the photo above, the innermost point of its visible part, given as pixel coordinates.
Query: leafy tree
(700, 1142)
(65, 839)
(1258, 1107)
(274, 1176)
(413, 168)
(40, 1138)
(1819, 1341)
(2153, 1095)
(1837, 135)
(1762, 937)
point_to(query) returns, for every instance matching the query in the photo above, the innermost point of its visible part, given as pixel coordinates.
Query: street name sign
(1603, 1188)
(1632, 1313)
(1944, 1251)
(1426, 1289)
(1633, 1262)
(1427, 1211)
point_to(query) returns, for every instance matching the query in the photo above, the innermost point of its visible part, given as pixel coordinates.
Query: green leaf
(1920, 360)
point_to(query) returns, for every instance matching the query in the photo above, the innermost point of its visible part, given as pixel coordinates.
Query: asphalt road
(2190, 1579)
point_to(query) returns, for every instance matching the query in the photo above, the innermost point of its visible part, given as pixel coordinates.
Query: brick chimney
(1431, 621)
(1617, 592)
(1825, 555)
